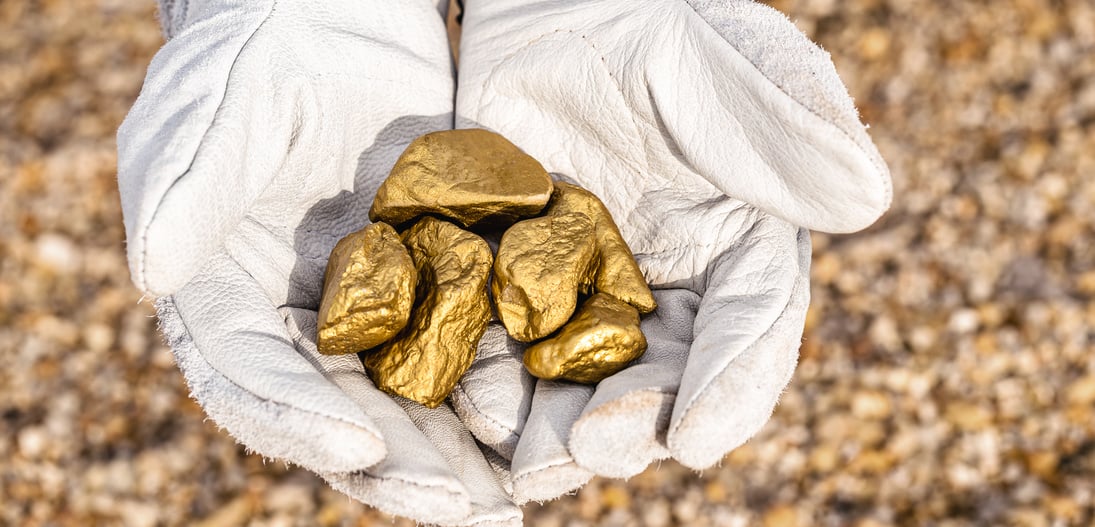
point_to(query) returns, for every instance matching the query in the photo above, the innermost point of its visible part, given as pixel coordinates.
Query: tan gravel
(947, 376)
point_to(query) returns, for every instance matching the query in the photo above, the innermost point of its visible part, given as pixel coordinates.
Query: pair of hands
(715, 132)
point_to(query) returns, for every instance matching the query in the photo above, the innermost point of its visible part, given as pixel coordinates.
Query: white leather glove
(259, 138)
(716, 134)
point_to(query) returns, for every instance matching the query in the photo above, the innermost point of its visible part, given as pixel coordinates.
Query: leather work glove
(258, 141)
(717, 134)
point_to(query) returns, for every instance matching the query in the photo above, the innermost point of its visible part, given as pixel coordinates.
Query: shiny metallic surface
(602, 338)
(424, 362)
(368, 291)
(542, 265)
(475, 177)
(617, 272)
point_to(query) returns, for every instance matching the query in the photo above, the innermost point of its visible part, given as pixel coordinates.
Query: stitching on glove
(886, 181)
(679, 248)
(611, 406)
(159, 203)
(365, 475)
(493, 521)
(536, 40)
(544, 469)
(348, 482)
(507, 58)
(675, 426)
(510, 432)
(721, 242)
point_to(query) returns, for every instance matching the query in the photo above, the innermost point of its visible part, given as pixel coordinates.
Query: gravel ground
(947, 376)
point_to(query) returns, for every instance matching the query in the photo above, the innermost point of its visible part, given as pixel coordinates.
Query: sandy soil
(947, 375)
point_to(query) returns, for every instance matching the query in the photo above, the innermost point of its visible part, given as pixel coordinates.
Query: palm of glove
(713, 164)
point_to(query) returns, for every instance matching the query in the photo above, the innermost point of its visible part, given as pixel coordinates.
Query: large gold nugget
(601, 339)
(475, 177)
(426, 359)
(368, 291)
(542, 265)
(617, 272)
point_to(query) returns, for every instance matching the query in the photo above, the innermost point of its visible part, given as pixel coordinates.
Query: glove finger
(483, 499)
(543, 468)
(414, 472)
(760, 112)
(501, 467)
(494, 396)
(747, 333)
(622, 429)
(490, 503)
(241, 366)
(434, 471)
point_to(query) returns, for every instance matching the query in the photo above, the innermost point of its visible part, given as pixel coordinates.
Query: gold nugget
(542, 265)
(617, 272)
(368, 291)
(476, 177)
(424, 362)
(601, 339)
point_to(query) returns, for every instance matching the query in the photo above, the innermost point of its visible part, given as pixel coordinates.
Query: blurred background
(947, 374)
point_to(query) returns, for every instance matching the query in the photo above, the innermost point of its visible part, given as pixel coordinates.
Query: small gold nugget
(617, 272)
(475, 177)
(602, 338)
(542, 265)
(424, 362)
(368, 291)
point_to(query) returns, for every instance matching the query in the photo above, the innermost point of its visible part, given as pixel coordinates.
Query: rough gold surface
(426, 359)
(475, 177)
(542, 265)
(617, 272)
(368, 291)
(601, 339)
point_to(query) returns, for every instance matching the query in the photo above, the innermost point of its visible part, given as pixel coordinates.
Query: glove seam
(510, 432)
(369, 480)
(443, 488)
(585, 418)
(888, 185)
(603, 407)
(503, 60)
(492, 522)
(545, 468)
(675, 426)
(536, 40)
(677, 249)
(159, 203)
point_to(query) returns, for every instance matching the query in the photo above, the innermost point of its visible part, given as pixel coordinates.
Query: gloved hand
(259, 138)
(716, 134)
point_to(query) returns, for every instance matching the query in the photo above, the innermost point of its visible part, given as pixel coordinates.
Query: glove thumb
(759, 111)
(198, 146)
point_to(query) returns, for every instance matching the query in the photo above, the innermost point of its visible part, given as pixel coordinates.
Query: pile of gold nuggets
(414, 302)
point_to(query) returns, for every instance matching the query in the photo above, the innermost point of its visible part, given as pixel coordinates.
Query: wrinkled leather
(260, 136)
(717, 135)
